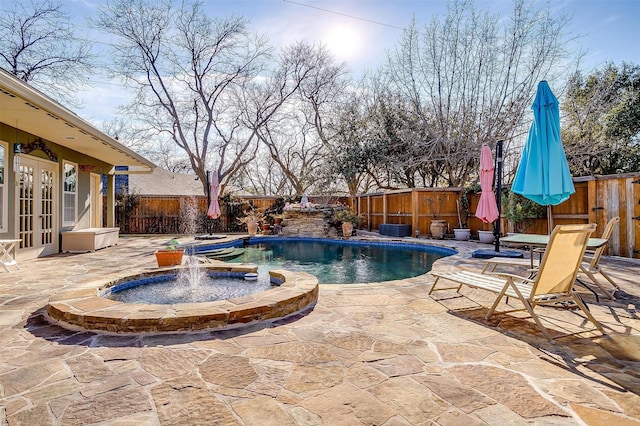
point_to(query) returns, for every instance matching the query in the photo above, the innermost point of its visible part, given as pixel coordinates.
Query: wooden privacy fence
(597, 199)
(157, 214)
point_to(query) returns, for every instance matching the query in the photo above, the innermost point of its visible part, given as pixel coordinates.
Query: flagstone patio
(370, 354)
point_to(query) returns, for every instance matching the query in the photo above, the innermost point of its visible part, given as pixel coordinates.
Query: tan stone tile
(350, 341)
(262, 340)
(453, 352)
(270, 380)
(144, 419)
(15, 404)
(167, 363)
(364, 376)
(628, 401)
(593, 416)
(263, 411)
(424, 351)
(508, 388)
(218, 345)
(455, 418)
(303, 417)
(42, 394)
(11, 317)
(400, 365)
(457, 394)
(504, 415)
(297, 352)
(303, 379)
(581, 392)
(120, 402)
(410, 399)
(387, 347)
(348, 405)
(22, 379)
(36, 415)
(107, 385)
(427, 306)
(58, 405)
(228, 371)
(88, 367)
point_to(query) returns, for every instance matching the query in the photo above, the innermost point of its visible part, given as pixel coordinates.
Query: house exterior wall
(85, 166)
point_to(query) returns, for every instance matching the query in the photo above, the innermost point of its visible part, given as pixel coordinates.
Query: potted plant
(463, 232)
(519, 211)
(438, 227)
(349, 219)
(252, 218)
(170, 255)
(277, 218)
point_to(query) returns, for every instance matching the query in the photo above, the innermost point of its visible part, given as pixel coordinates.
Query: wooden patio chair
(590, 265)
(552, 283)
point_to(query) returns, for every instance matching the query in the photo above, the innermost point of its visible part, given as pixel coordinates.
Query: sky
(359, 32)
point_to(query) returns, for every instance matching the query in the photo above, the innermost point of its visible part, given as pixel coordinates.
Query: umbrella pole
(208, 201)
(496, 227)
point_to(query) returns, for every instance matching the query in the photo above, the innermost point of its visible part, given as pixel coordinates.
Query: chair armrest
(512, 276)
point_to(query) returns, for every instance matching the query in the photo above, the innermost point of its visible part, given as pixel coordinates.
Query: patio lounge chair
(590, 263)
(552, 283)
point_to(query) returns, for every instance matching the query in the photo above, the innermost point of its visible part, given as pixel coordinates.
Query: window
(69, 193)
(3, 190)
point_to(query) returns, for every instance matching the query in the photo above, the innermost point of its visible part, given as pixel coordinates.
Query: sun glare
(343, 41)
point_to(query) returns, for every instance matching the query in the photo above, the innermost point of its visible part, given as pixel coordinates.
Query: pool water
(172, 288)
(342, 263)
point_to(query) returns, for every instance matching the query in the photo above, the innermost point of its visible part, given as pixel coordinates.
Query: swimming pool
(338, 261)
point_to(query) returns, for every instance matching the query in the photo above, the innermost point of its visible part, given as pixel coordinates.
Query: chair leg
(613, 283)
(541, 327)
(593, 278)
(586, 311)
(433, 287)
(497, 301)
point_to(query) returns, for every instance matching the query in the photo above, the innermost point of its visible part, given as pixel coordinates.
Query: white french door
(96, 200)
(37, 207)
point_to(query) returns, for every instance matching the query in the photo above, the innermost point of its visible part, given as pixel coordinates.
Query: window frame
(4, 226)
(65, 222)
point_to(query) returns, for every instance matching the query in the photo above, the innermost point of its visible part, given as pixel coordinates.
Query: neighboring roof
(163, 182)
(30, 110)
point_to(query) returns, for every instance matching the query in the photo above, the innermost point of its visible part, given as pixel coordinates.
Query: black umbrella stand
(497, 180)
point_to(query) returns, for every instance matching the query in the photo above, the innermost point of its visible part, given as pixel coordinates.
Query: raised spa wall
(305, 224)
(84, 309)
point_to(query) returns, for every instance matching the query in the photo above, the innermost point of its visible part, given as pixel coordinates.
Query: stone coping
(84, 309)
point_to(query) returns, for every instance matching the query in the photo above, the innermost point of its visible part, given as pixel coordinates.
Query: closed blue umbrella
(543, 173)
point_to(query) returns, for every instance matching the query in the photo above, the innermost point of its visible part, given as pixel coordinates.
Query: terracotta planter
(252, 228)
(169, 257)
(438, 228)
(347, 229)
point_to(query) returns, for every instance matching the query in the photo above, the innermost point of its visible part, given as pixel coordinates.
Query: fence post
(384, 208)
(415, 212)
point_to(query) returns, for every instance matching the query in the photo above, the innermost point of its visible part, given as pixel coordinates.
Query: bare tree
(39, 45)
(207, 84)
(471, 76)
(190, 73)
